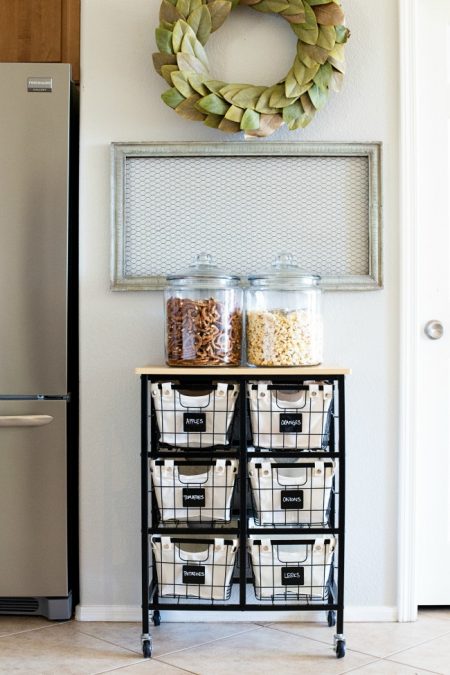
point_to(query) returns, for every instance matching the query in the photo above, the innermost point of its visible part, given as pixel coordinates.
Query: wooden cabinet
(45, 31)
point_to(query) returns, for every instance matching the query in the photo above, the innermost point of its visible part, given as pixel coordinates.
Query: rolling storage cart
(243, 491)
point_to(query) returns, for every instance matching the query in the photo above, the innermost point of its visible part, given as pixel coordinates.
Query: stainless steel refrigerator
(38, 339)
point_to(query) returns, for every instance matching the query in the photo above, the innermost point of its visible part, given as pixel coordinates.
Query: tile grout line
(137, 663)
(191, 672)
(113, 670)
(201, 644)
(373, 659)
(418, 644)
(425, 670)
(384, 660)
(351, 670)
(357, 651)
(114, 644)
(372, 656)
(33, 630)
(209, 642)
(321, 642)
(389, 658)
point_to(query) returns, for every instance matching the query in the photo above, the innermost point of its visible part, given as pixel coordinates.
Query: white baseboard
(371, 614)
(133, 613)
(108, 613)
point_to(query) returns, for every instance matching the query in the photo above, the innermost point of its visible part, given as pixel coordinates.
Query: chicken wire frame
(370, 231)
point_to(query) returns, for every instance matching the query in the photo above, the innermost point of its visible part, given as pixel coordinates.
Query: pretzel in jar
(202, 333)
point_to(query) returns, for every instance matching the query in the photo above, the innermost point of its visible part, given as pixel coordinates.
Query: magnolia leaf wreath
(319, 65)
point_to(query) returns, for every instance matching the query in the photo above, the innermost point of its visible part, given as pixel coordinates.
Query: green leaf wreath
(319, 65)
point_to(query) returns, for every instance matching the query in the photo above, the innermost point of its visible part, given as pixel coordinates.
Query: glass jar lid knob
(285, 261)
(203, 260)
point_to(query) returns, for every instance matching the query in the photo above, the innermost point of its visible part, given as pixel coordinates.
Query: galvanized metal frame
(121, 152)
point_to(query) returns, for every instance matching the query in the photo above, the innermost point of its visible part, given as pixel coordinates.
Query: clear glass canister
(203, 316)
(284, 324)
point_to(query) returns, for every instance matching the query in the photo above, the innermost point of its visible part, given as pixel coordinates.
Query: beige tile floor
(34, 645)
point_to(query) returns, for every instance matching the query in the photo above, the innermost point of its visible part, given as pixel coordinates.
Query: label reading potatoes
(193, 497)
(194, 422)
(291, 499)
(293, 576)
(193, 574)
(290, 423)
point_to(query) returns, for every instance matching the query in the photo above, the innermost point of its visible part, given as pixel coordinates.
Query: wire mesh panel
(194, 417)
(290, 416)
(242, 202)
(291, 493)
(190, 568)
(292, 569)
(194, 491)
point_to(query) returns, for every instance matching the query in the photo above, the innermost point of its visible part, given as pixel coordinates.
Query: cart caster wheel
(147, 649)
(156, 618)
(331, 618)
(340, 649)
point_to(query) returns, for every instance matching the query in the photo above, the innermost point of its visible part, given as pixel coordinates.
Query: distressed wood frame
(121, 152)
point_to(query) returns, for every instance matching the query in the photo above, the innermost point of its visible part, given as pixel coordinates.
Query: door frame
(408, 348)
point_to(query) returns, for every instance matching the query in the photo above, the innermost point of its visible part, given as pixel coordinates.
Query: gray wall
(121, 102)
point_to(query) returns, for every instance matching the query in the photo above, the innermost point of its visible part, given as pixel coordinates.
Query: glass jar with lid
(203, 316)
(284, 324)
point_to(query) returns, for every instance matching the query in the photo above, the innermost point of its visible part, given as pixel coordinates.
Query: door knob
(434, 329)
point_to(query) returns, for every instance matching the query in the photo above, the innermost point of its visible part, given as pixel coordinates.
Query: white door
(433, 409)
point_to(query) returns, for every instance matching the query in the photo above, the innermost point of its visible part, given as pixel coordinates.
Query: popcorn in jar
(283, 322)
(284, 338)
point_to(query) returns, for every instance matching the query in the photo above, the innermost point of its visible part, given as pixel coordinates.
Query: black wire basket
(290, 417)
(194, 417)
(292, 569)
(194, 568)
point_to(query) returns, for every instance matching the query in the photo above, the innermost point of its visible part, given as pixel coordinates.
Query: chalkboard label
(193, 497)
(293, 576)
(290, 423)
(194, 422)
(291, 499)
(193, 574)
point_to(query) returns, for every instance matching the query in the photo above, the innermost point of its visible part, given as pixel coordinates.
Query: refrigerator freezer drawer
(33, 499)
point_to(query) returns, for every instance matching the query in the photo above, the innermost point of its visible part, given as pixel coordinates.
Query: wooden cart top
(243, 370)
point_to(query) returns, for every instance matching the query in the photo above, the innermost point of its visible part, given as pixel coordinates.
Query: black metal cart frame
(150, 448)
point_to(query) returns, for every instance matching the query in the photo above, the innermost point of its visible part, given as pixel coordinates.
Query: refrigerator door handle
(25, 420)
